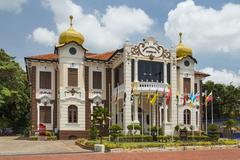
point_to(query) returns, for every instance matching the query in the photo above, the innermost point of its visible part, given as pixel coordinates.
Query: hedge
(135, 138)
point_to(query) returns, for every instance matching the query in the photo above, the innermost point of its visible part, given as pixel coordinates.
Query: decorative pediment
(73, 91)
(97, 99)
(150, 48)
(72, 99)
(45, 100)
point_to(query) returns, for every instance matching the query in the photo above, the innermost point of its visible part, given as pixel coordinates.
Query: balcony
(149, 86)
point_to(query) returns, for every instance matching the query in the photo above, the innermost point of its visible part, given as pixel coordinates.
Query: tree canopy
(14, 94)
(226, 100)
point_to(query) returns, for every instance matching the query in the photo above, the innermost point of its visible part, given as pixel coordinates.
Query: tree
(100, 116)
(14, 94)
(226, 100)
(213, 132)
(230, 124)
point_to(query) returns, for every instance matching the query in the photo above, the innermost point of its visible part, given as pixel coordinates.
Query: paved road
(233, 154)
(14, 145)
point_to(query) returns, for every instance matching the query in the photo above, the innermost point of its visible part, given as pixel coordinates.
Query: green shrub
(164, 139)
(134, 126)
(115, 131)
(154, 130)
(49, 133)
(213, 132)
(199, 138)
(51, 138)
(177, 128)
(33, 138)
(135, 138)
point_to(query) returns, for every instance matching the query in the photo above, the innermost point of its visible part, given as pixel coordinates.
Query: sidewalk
(15, 146)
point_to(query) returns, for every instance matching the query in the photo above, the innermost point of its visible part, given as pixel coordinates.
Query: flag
(148, 97)
(192, 98)
(210, 97)
(197, 99)
(153, 100)
(169, 95)
(198, 96)
(140, 97)
(185, 98)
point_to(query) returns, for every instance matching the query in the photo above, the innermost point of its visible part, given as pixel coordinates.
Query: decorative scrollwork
(150, 48)
(72, 91)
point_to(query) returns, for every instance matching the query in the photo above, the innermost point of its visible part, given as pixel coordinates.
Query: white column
(135, 70)
(127, 113)
(135, 118)
(113, 101)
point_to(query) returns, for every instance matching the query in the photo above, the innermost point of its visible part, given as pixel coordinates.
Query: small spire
(71, 19)
(180, 37)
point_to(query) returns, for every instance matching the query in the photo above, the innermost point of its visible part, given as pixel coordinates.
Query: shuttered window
(187, 117)
(72, 77)
(72, 114)
(169, 73)
(97, 80)
(118, 75)
(187, 85)
(45, 114)
(45, 80)
(195, 88)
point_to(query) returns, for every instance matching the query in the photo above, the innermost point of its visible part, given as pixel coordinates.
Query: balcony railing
(149, 86)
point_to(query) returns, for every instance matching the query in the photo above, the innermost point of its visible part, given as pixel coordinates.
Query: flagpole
(206, 105)
(109, 109)
(157, 113)
(177, 107)
(206, 116)
(141, 100)
(150, 117)
(212, 107)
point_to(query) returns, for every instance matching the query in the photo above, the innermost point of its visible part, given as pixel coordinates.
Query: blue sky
(210, 27)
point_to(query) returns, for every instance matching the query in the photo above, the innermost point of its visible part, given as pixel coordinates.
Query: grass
(135, 145)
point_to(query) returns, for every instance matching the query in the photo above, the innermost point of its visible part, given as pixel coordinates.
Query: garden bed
(138, 145)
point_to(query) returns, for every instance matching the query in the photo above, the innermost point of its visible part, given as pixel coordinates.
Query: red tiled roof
(102, 56)
(201, 74)
(52, 56)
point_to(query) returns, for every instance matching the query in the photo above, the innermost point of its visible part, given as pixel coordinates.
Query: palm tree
(100, 115)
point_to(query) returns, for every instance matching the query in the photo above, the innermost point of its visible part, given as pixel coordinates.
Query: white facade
(128, 99)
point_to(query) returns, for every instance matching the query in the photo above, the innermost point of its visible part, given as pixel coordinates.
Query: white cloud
(222, 76)
(102, 31)
(43, 36)
(205, 29)
(12, 5)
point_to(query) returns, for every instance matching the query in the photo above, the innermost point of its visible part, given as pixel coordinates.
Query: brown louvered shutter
(187, 85)
(45, 80)
(97, 80)
(45, 114)
(72, 77)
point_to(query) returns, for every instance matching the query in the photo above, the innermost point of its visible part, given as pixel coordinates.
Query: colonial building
(69, 83)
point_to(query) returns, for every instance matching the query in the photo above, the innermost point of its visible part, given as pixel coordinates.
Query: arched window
(72, 114)
(187, 116)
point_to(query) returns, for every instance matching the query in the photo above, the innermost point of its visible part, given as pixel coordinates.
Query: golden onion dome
(71, 35)
(181, 49)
